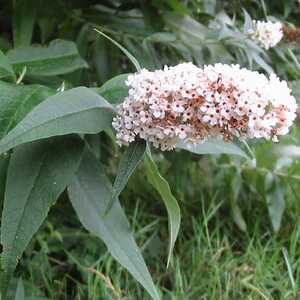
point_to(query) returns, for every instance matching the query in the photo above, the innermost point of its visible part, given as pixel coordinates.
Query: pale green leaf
(90, 193)
(20, 293)
(214, 146)
(275, 200)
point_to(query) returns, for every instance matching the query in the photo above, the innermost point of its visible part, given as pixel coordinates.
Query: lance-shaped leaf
(90, 192)
(129, 161)
(115, 89)
(24, 13)
(214, 146)
(37, 174)
(163, 188)
(79, 110)
(60, 57)
(275, 200)
(20, 293)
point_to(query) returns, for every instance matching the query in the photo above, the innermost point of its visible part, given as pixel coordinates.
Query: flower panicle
(267, 34)
(188, 104)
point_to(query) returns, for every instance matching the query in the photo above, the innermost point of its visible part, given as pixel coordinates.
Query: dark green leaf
(163, 188)
(129, 161)
(90, 192)
(82, 42)
(79, 110)
(6, 69)
(16, 101)
(38, 173)
(60, 57)
(101, 59)
(23, 22)
(124, 50)
(115, 90)
(3, 170)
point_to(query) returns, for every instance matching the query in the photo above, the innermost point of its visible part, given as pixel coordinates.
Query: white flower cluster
(267, 34)
(187, 104)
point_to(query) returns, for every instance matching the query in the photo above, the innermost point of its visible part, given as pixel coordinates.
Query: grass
(213, 259)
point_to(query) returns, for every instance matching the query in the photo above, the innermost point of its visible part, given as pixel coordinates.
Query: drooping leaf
(78, 110)
(24, 13)
(16, 101)
(216, 146)
(129, 161)
(38, 173)
(60, 57)
(20, 293)
(163, 188)
(275, 200)
(90, 192)
(6, 69)
(115, 89)
(234, 183)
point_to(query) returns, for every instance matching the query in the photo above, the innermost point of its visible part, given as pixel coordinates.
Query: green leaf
(114, 90)
(101, 59)
(16, 101)
(37, 174)
(275, 200)
(234, 181)
(163, 188)
(129, 161)
(295, 87)
(20, 293)
(214, 146)
(124, 50)
(186, 27)
(78, 110)
(248, 23)
(24, 13)
(6, 69)
(82, 42)
(90, 192)
(60, 57)
(3, 170)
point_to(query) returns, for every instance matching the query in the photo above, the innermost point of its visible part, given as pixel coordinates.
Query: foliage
(60, 80)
